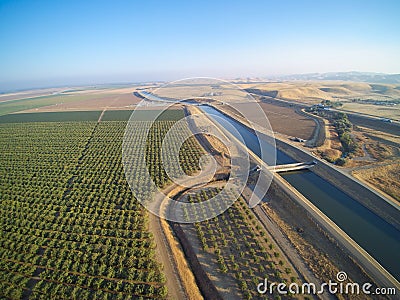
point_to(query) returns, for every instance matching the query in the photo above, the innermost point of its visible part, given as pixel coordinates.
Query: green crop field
(116, 115)
(160, 115)
(71, 227)
(71, 116)
(142, 115)
(68, 116)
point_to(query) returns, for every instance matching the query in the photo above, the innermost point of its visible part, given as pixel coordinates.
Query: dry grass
(391, 112)
(320, 252)
(329, 90)
(385, 178)
(184, 270)
(331, 154)
(379, 151)
(312, 92)
(331, 149)
(321, 266)
(375, 134)
(373, 146)
(379, 145)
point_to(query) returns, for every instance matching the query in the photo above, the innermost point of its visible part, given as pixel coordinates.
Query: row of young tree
(68, 216)
(144, 161)
(239, 246)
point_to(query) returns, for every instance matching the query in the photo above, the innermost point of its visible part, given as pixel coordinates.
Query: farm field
(71, 227)
(37, 102)
(391, 112)
(77, 116)
(235, 250)
(73, 100)
(88, 237)
(51, 117)
(28, 94)
(116, 115)
(143, 114)
(284, 120)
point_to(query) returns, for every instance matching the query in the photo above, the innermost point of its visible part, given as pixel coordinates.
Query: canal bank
(367, 197)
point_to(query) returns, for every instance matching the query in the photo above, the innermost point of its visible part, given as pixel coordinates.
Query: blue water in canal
(380, 239)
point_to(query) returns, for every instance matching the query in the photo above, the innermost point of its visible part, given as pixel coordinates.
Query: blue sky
(70, 42)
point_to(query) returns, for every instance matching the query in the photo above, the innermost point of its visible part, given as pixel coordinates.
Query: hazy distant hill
(346, 76)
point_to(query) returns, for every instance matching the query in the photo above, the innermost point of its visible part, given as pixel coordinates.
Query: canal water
(379, 238)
